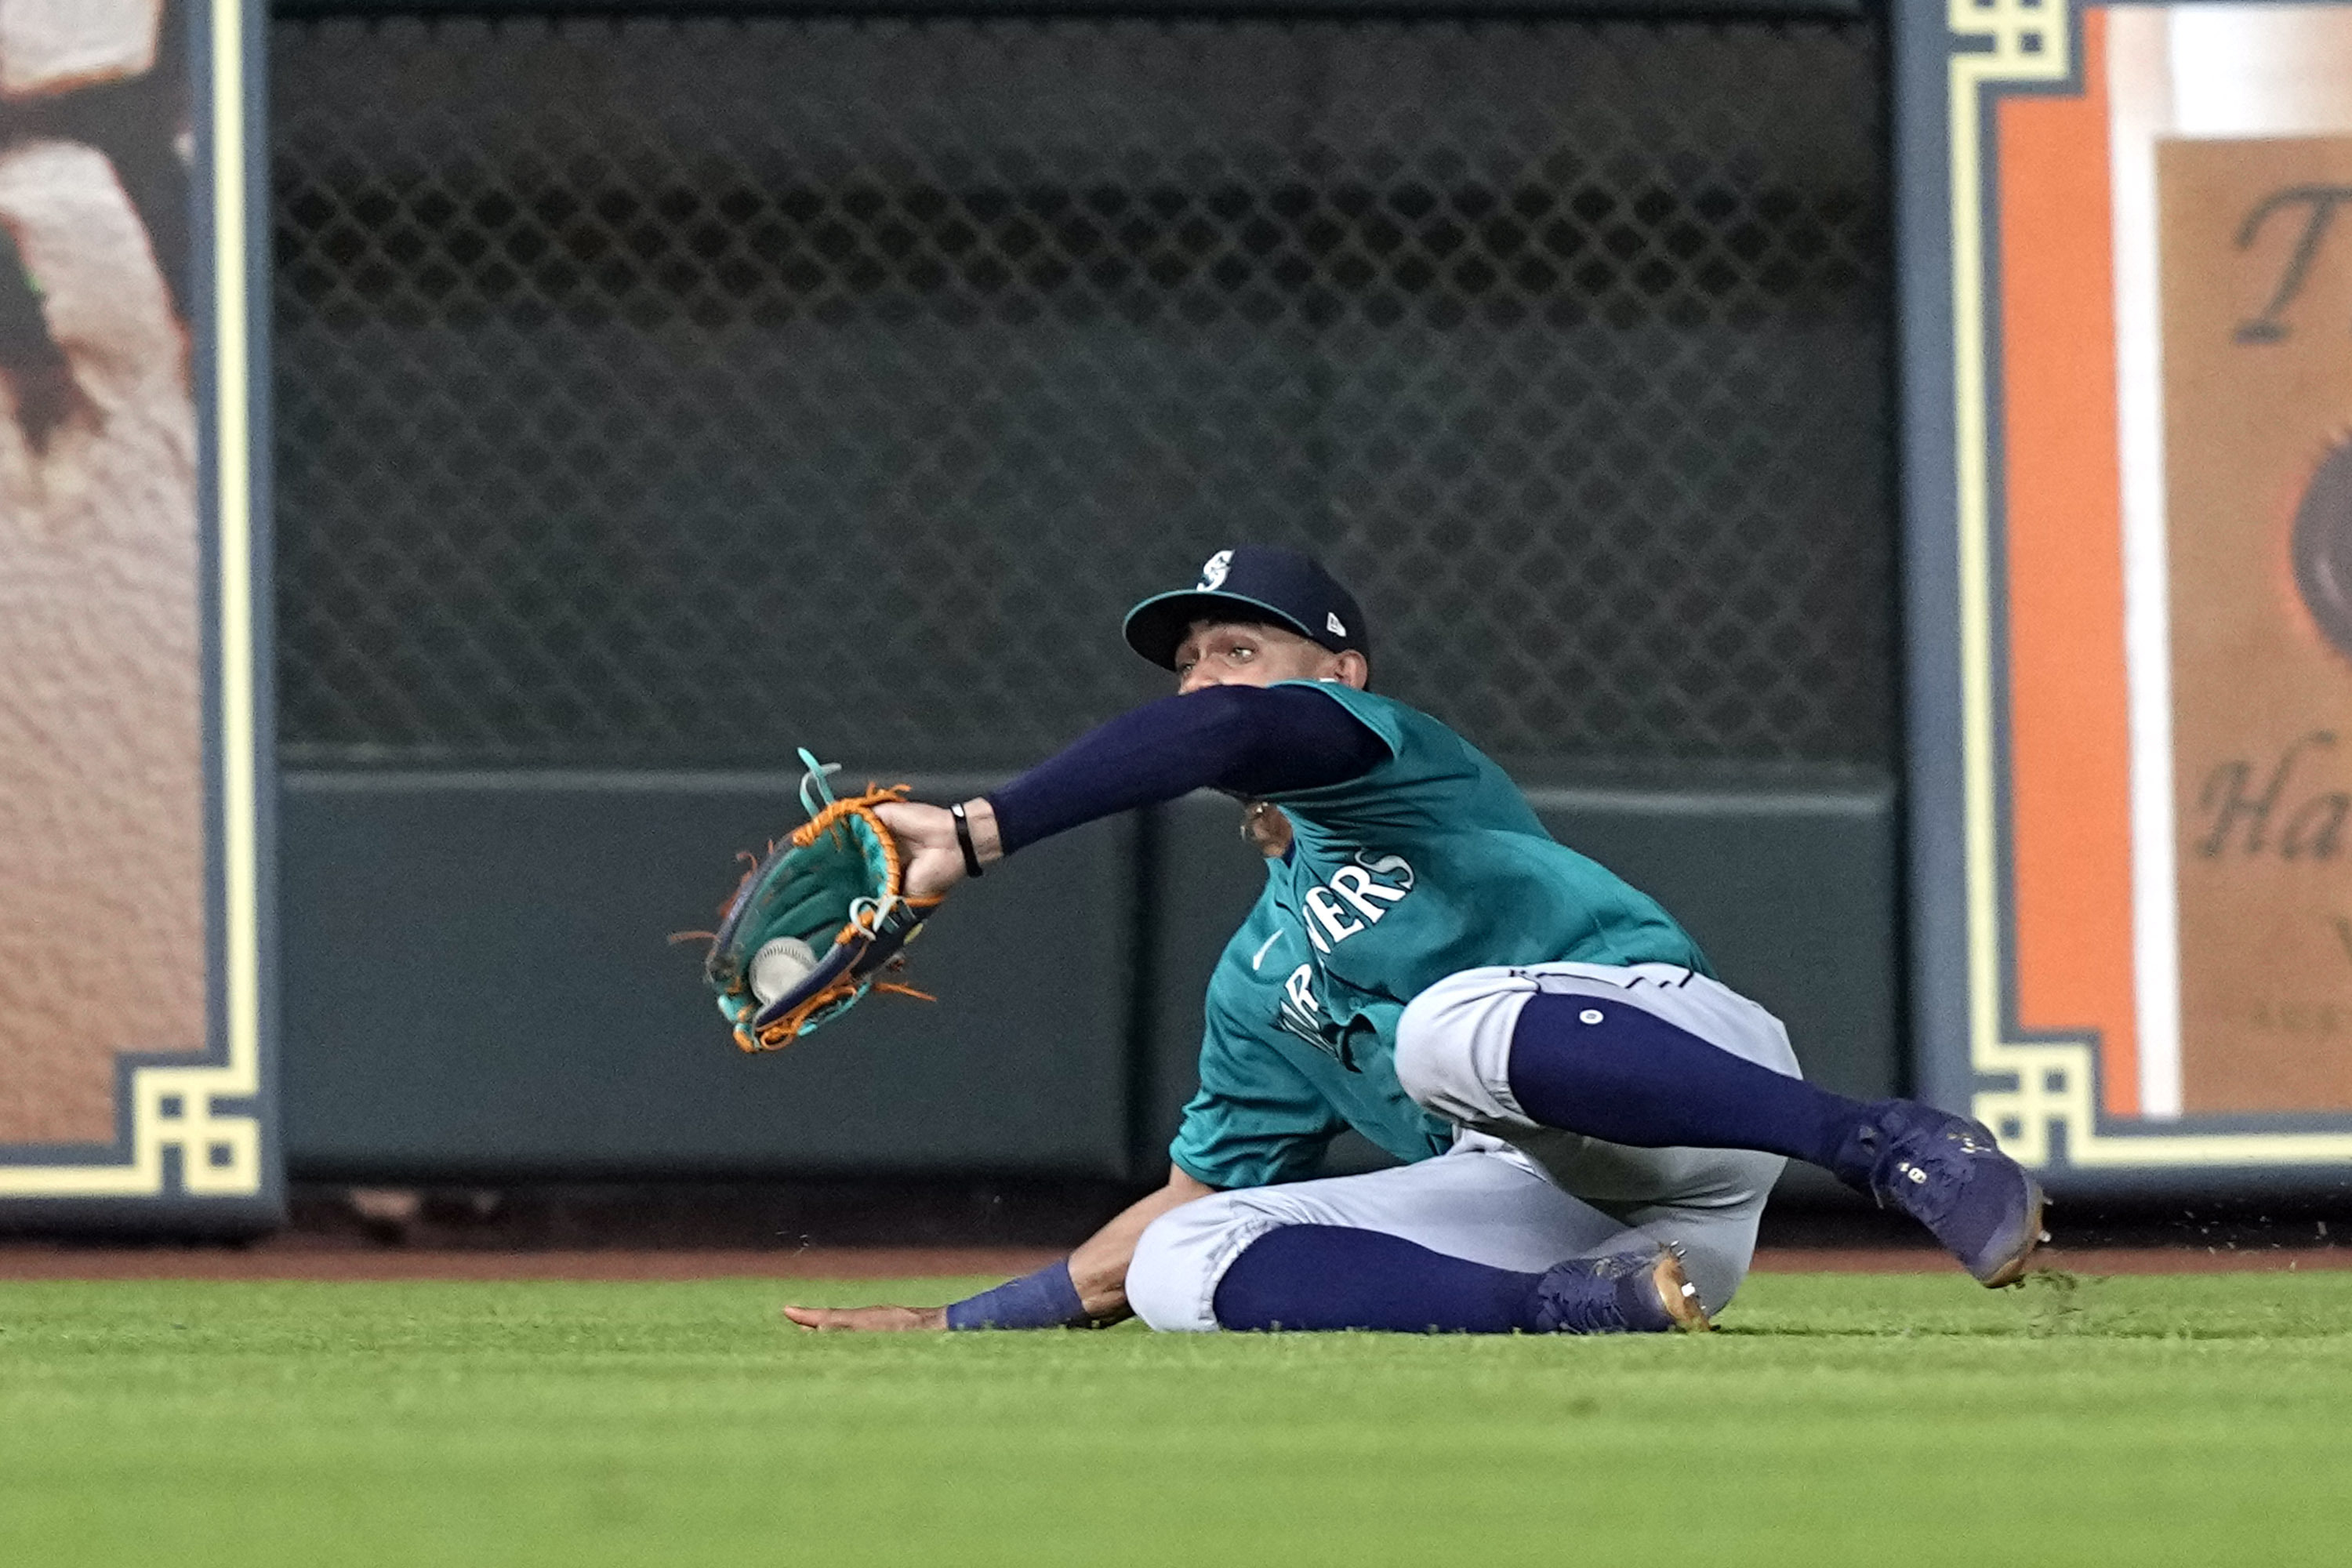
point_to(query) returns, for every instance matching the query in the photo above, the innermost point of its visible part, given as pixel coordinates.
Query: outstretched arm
(1097, 1268)
(1245, 740)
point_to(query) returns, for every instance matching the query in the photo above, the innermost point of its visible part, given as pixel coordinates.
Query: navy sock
(1336, 1277)
(1608, 1069)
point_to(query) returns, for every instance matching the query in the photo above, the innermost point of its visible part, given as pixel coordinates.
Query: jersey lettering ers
(1355, 898)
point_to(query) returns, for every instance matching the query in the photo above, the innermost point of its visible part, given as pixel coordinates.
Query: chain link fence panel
(668, 394)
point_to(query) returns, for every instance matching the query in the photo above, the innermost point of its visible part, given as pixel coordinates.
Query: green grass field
(1837, 1419)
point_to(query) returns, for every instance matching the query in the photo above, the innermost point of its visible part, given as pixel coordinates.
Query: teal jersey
(1430, 864)
(1270, 1101)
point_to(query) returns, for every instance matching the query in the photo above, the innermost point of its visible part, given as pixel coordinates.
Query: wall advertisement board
(2128, 289)
(134, 1065)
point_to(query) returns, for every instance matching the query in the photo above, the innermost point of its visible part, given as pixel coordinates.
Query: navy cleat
(1948, 1174)
(1625, 1293)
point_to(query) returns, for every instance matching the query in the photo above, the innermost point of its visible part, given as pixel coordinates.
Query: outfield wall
(659, 395)
(670, 383)
(664, 386)
(495, 1001)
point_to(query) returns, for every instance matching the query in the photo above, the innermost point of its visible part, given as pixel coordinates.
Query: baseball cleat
(1948, 1174)
(1638, 1292)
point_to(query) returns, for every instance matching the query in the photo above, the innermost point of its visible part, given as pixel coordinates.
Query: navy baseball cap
(1252, 583)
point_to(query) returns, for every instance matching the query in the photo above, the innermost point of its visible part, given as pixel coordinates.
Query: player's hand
(872, 1320)
(926, 838)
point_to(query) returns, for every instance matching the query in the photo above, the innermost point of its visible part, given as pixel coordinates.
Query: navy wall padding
(478, 987)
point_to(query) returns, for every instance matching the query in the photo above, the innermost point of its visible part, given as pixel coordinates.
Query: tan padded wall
(102, 829)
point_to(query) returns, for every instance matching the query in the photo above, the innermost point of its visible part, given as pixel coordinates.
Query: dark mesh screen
(665, 394)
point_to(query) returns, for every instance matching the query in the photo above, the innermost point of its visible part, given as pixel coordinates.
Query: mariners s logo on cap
(1213, 570)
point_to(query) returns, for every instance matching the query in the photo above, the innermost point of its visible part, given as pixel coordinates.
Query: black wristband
(963, 840)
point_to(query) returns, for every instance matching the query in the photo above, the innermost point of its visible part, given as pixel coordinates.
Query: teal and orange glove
(818, 923)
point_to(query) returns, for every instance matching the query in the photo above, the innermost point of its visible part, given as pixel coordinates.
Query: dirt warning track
(296, 1260)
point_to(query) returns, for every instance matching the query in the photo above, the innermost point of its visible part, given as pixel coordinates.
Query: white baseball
(779, 965)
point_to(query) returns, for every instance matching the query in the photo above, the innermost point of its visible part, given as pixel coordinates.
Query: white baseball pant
(1509, 1193)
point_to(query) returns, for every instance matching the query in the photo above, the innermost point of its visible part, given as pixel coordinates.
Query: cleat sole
(1679, 1297)
(2031, 1235)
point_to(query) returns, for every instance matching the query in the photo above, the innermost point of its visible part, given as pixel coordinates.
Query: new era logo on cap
(1332, 623)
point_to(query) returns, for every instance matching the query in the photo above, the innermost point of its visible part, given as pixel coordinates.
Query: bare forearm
(1098, 1268)
(1097, 1271)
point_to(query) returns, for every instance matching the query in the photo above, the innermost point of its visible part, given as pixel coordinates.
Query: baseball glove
(817, 921)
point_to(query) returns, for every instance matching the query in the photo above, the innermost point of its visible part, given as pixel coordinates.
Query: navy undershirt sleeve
(1245, 740)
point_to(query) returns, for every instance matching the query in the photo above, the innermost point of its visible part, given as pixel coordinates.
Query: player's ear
(1348, 668)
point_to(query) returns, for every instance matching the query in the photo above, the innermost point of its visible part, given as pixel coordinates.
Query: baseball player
(1589, 1122)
